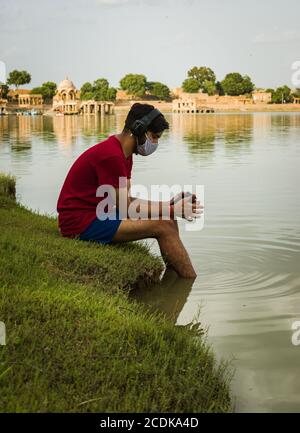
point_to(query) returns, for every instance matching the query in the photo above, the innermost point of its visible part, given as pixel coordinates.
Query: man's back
(101, 164)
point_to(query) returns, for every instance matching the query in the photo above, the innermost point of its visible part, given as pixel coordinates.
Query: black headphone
(139, 126)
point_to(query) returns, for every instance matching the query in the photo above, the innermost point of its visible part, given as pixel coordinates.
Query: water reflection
(246, 257)
(202, 134)
(167, 297)
(21, 136)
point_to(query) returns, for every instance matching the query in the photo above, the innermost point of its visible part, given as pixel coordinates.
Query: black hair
(137, 111)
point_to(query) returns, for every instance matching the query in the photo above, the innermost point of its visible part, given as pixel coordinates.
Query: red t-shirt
(101, 164)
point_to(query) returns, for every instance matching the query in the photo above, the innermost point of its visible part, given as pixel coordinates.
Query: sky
(162, 39)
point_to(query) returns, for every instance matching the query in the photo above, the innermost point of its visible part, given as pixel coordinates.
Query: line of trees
(136, 85)
(204, 79)
(199, 79)
(283, 95)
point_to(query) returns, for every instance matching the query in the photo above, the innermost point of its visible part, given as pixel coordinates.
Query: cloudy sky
(89, 39)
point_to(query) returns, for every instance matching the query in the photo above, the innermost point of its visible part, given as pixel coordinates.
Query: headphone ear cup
(138, 128)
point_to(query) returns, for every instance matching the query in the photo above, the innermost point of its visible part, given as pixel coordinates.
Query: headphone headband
(139, 126)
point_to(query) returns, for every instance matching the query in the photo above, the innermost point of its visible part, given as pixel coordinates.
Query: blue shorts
(101, 231)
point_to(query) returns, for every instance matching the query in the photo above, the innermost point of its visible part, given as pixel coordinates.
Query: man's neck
(126, 142)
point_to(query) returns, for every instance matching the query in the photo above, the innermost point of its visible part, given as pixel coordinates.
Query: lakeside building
(23, 98)
(67, 101)
(190, 104)
(67, 98)
(202, 102)
(261, 97)
(122, 95)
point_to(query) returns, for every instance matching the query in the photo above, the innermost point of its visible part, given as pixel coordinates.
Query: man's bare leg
(167, 235)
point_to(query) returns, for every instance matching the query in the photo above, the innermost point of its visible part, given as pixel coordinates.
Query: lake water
(247, 256)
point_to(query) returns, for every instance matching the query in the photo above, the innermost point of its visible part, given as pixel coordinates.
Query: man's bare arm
(149, 208)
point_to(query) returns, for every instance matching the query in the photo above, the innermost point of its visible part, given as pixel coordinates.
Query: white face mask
(146, 148)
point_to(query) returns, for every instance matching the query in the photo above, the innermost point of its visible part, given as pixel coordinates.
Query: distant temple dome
(67, 101)
(66, 85)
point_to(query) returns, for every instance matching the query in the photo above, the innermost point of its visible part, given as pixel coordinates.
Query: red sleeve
(110, 170)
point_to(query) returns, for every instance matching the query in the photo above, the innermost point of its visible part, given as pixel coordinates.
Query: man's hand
(182, 195)
(187, 208)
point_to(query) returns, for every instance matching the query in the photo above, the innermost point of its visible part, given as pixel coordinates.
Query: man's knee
(166, 227)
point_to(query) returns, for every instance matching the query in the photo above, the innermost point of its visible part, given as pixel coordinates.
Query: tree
(47, 90)
(37, 90)
(17, 78)
(248, 86)
(282, 95)
(296, 93)
(102, 91)
(86, 91)
(209, 87)
(99, 91)
(203, 75)
(111, 94)
(159, 90)
(219, 89)
(234, 84)
(134, 84)
(190, 85)
(3, 90)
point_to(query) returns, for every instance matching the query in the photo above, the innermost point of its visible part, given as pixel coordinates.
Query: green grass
(76, 343)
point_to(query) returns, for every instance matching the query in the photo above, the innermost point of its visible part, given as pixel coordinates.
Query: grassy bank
(76, 343)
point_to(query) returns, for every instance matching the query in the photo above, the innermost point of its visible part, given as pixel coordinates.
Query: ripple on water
(252, 266)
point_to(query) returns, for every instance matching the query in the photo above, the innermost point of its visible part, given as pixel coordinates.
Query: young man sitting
(104, 164)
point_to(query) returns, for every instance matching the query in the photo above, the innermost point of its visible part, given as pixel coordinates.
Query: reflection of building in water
(25, 98)
(92, 126)
(3, 103)
(284, 121)
(4, 127)
(120, 121)
(235, 130)
(67, 101)
(66, 129)
(261, 125)
(20, 132)
(202, 132)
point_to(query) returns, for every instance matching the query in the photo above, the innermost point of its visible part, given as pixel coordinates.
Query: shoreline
(255, 108)
(166, 107)
(75, 341)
